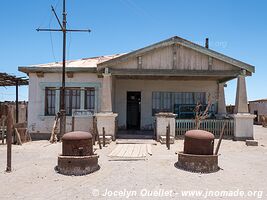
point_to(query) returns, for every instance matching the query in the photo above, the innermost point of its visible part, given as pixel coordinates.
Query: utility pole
(64, 30)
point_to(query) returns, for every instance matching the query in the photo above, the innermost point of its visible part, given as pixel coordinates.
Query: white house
(172, 75)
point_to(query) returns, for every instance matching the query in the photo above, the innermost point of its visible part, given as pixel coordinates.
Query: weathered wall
(175, 57)
(37, 121)
(261, 107)
(23, 106)
(147, 87)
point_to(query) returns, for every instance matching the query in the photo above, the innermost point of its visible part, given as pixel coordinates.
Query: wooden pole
(94, 130)
(9, 138)
(3, 128)
(98, 138)
(64, 30)
(168, 136)
(72, 123)
(104, 137)
(17, 102)
(220, 140)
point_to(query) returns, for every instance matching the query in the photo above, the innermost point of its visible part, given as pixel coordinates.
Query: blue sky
(235, 28)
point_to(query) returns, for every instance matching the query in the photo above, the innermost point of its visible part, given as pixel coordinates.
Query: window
(89, 98)
(72, 99)
(161, 102)
(172, 101)
(50, 101)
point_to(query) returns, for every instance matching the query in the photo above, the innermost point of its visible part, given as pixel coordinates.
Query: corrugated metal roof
(259, 100)
(84, 62)
(82, 65)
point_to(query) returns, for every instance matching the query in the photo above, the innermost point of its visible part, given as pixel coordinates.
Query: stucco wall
(37, 121)
(147, 87)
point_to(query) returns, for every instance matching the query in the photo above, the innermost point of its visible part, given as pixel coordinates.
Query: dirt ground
(243, 173)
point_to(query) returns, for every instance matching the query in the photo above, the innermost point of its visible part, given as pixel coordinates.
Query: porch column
(243, 120)
(241, 101)
(221, 100)
(106, 99)
(106, 118)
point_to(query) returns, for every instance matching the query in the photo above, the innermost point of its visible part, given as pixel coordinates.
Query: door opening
(133, 110)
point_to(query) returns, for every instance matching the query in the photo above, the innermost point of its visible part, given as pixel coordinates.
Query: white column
(221, 100)
(242, 119)
(106, 118)
(106, 98)
(241, 101)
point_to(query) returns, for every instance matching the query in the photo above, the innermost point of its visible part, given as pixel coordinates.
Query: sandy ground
(244, 169)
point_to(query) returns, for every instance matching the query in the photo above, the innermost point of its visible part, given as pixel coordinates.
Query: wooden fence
(212, 125)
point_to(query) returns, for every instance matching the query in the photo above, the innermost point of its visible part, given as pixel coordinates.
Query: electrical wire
(50, 33)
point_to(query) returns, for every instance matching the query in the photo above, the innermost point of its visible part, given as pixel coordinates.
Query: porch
(173, 76)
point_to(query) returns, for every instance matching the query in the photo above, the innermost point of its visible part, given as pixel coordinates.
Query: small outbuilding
(259, 109)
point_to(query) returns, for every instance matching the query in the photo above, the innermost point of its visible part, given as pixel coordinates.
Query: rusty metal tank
(77, 143)
(198, 142)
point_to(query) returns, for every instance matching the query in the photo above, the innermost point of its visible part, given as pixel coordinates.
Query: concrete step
(251, 142)
(136, 141)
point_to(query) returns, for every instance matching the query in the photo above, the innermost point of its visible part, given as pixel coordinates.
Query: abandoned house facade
(129, 89)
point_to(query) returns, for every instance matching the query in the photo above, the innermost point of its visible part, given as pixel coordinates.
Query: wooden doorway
(133, 110)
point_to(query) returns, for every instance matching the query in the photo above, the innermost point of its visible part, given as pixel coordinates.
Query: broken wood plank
(136, 150)
(142, 150)
(18, 137)
(123, 150)
(129, 150)
(116, 150)
(53, 137)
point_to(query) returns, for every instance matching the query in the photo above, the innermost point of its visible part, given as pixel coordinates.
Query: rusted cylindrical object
(77, 156)
(197, 163)
(77, 143)
(198, 142)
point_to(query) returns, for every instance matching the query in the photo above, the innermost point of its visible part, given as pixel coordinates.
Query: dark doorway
(133, 110)
(256, 118)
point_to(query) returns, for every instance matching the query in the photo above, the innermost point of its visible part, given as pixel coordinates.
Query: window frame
(164, 101)
(69, 99)
(89, 92)
(47, 108)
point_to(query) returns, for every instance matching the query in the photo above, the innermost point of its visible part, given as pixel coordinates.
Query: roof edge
(34, 69)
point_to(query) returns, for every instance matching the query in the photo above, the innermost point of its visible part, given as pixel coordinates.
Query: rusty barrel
(198, 142)
(77, 143)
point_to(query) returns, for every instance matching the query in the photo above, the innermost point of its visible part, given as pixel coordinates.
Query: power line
(64, 30)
